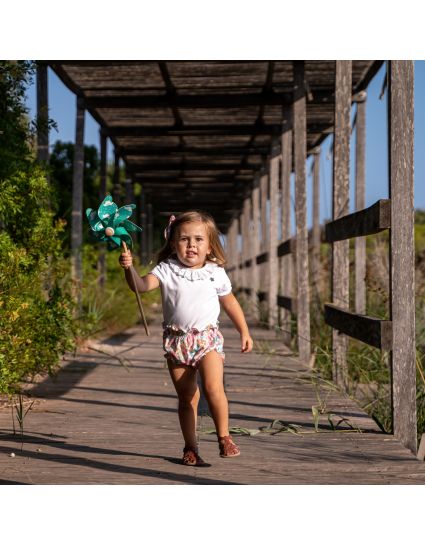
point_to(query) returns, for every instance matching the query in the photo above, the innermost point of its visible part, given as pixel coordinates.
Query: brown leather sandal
(228, 448)
(192, 458)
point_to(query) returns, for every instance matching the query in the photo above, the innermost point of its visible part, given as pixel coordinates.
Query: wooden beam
(286, 247)
(149, 166)
(42, 114)
(262, 258)
(341, 170)
(402, 255)
(149, 229)
(177, 151)
(77, 204)
(173, 100)
(372, 331)
(144, 226)
(287, 303)
(246, 240)
(360, 243)
(116, 191)
(315, 246)
(300, 156)
(286, 263)
(210, 129)
(369, 221)
(273, 265)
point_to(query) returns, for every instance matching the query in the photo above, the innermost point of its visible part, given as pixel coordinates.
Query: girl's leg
(211, 371)
(184, 380)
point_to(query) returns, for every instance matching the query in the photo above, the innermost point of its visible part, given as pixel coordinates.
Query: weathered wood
(77, 204)
(360, 242)
(264, 181)
(246, 213)
(315, 246)
(421, 450)
(371, 220)
(144, 226)
(300, 152)
(101, 265)
(341, 169)
(42, 113)
(287, 247)
(402, 257)
(286, 263)
(367, 329)
(273, 264)
(149, 213)
(255, 247)
(262, 258)
(288, 303)
(116, 191)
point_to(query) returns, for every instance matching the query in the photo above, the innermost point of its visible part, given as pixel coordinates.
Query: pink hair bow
(168, 228)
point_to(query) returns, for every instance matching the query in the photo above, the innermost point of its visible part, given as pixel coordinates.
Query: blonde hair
(216, 255)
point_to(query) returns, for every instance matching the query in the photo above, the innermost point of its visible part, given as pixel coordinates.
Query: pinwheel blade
(123, 213)
(130, 226)
(107, 208)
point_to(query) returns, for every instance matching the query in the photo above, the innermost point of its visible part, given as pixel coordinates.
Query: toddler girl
(193, 284)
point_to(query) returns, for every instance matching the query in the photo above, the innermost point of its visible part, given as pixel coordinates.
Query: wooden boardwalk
(98, 423)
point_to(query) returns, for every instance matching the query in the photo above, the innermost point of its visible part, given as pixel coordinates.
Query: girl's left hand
(246, 343)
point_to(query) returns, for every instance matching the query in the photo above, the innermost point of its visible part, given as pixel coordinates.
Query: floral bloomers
(189, 347)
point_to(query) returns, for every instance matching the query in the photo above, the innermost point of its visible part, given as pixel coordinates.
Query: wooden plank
(286, 263)
(42, 113)
(264, 180)
(300, 151)
(77, 204)
(402, 256)
(245, 240)
(149, 229)
(315, 246)
(367, 329)
(369, 221)
(273, 265)
(262, 258)
(288, 303)
(286, 247)
(360, 242)
(341, 170)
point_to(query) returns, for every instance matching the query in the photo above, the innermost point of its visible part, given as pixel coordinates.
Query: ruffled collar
(203, 273)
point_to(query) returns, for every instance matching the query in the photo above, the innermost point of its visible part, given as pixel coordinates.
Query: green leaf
(315, 412)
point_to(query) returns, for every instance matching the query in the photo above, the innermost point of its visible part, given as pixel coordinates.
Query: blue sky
(62, 110)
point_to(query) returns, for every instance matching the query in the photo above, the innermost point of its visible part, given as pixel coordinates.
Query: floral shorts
(189, 347)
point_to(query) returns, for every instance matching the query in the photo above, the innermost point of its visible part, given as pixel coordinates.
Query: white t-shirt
(190, 296)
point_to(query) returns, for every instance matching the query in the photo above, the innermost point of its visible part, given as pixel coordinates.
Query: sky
(62, 104)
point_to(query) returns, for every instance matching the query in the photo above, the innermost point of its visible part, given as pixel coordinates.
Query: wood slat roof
(195, 134)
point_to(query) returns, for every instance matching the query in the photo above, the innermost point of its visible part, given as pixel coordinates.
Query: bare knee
(188, 398)
(213, 390)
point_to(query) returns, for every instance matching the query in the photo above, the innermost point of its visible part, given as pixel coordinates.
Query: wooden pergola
(225, 136)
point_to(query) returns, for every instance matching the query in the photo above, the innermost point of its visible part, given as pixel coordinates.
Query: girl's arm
(235, 313)
(144, 283)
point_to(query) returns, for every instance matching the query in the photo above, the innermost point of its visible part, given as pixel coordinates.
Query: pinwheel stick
(139, 302)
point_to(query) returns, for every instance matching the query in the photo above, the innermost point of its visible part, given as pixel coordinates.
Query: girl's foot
(192, 458)
(228, 448)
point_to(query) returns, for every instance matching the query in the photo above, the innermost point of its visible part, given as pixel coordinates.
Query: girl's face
(191, 244)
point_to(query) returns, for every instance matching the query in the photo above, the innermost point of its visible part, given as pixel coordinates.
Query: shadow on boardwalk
(100, 423)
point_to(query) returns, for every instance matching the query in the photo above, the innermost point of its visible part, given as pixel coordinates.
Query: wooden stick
(133, 278)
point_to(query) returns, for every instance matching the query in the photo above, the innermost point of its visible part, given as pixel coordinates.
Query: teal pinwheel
(110, 224)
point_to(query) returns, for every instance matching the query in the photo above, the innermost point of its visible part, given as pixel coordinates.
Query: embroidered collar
(203, 273)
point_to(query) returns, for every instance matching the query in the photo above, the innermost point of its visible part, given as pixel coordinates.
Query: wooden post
(42, 114)
(315, 247)
(360, 242)
(149, 210)
(117, 182)
(144, 226)
(77, 204)
(286, 260)
(255, 247)
(128, 185)
(230, 250)
(300, 152)
(264, 180)
(272, 263)
(341, 172)
(246, 241)
(101, 265)
(402, 257)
